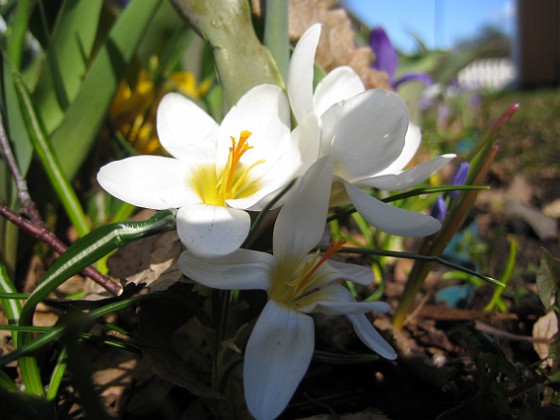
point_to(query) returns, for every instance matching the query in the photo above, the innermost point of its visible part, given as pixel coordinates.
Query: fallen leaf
(552, 209)
(150, 261)
(545, 328)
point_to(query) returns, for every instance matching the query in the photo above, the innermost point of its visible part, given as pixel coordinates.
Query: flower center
(233, 181)
(293, 282)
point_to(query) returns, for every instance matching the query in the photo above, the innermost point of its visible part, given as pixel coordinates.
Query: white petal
(411, 144)
(366, 133)
(356, 273)
(408, 178)
(243, 269)
(300, 77)
(185, 130)
(265, 112)
(148, 181)
(301, 221)
(306, 137)
(370, 337)
(389, 218)
(340, 84)
(211, 231)
(335, 299)
(276, 358)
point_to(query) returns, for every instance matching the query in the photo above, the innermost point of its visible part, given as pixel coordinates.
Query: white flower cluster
(346, 139)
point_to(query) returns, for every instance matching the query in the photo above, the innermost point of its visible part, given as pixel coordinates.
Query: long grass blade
(42, 146)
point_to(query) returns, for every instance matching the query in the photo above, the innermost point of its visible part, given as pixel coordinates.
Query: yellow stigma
(233, 181)
(293, 284)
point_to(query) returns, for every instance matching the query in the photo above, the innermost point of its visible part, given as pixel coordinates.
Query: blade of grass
(418, 257)
(57, 375)
(496, 300)
(56, 77)
(30, 372)
(18, 29)
(50, 162)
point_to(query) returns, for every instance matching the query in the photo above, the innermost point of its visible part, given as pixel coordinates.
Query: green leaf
(74, 137)
(70, 46)
(548, 278)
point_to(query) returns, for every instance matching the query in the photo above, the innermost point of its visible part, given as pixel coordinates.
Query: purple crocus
(439, 209)
(459, 178)
(386, 58)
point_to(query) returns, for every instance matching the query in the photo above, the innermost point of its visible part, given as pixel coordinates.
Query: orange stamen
(333, 248)
(236, 151)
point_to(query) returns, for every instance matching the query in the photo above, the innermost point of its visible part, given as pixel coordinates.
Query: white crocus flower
(216, 172)
(297, 282)
(367, 133)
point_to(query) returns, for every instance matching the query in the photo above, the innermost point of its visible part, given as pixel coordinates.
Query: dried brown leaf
(151, 261)
(337, 46)
(545, 328)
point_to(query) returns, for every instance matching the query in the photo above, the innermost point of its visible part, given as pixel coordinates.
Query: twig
(34, 224)
(28, 207)
(480, 326)
(44, 234)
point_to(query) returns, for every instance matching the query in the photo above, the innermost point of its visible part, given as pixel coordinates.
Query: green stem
(276, 37)
(418, 257)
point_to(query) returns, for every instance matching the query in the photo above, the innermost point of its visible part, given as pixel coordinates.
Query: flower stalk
(242, 61)
(480, 164)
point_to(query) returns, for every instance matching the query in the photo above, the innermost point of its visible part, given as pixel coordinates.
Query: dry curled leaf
(151, 261)
(544, 329)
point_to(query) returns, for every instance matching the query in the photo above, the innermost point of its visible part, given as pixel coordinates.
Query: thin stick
(28, 207)
(41, 232)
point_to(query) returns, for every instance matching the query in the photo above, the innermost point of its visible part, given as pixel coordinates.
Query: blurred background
(521, 36)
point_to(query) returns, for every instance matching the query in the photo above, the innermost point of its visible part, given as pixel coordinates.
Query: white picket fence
(487, 73)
